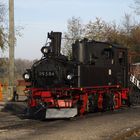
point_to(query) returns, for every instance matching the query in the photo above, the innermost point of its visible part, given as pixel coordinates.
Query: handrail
(135, 81)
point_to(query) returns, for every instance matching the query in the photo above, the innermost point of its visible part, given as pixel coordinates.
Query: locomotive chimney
(55, 42)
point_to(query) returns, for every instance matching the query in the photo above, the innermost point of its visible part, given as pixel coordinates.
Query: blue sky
(38, 17)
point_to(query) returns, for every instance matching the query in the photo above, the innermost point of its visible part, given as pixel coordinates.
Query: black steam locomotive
(93, 64)
(59, 85)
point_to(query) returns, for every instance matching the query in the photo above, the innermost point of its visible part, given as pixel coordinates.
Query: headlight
(69, 77)
(45, 50)
(26, 76)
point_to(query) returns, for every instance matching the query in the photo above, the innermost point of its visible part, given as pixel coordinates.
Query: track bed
(94, 126)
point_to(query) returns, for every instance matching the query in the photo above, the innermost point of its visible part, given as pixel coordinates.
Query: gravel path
(98, 126)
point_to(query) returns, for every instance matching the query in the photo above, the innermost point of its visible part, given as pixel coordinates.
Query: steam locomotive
(95, 79)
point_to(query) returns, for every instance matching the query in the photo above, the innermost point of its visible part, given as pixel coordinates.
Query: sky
(38, 17)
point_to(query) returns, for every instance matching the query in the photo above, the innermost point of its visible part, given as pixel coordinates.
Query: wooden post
(11, 48)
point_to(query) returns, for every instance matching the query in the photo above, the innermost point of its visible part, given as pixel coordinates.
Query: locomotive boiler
(95, 79)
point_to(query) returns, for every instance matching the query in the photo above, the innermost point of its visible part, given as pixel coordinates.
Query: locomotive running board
(61, 113)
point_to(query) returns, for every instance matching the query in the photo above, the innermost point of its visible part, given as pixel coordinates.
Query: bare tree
(74, 31)
(97, 30)
(2, 18)
(127, 23)
(2, 12)
(137, 7)
(4, 27)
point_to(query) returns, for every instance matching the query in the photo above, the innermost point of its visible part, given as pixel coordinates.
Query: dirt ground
(96, 126)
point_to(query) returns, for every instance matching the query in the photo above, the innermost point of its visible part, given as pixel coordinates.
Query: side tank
(100, 63)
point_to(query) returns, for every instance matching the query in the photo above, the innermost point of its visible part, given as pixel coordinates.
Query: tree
(124, 31)
(127, 34)
(75, 31)
(97, 30)
(127, 23)
(137, 7)
(4, 31)
(20, 67)
(2, 19)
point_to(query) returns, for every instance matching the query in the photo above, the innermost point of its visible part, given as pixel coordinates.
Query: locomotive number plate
(46, 74)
